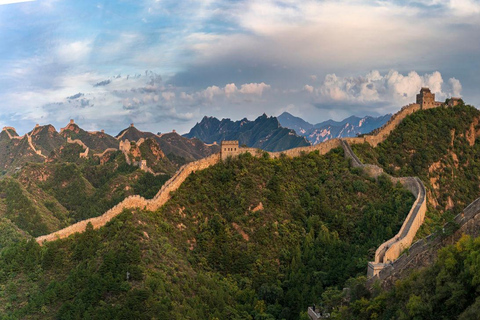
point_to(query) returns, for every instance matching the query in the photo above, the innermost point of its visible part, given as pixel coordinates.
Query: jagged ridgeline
(248, 238)
(163, 154)
(265, 133)
(441, 146)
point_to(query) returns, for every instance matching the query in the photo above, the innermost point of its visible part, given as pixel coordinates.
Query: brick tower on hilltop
(229, 148)
(426, 99)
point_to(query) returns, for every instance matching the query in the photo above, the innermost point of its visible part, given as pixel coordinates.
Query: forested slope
(248, 238)
(441, 147)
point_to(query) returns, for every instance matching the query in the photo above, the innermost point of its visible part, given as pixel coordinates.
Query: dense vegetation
(42, 198)
(246, 239)
(449, 289)
(441, 147)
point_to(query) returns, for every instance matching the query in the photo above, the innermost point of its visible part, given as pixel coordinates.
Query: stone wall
(104, 152)
(171, 185)
(322, 148)
(382, 133)
(97, 222)
(7, 130)
(391, 249)
(424, 252)
(136, 201)
(30, 143)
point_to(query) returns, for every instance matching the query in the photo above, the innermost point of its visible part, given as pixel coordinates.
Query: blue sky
(164, 64)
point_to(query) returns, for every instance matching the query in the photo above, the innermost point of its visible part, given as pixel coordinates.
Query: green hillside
(42, 198)
(246, 239)
(441, 147)
(446, 290)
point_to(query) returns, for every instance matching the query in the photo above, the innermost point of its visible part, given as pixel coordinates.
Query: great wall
(135, 201)
(390, 250)
(387, 256)
(424, 252)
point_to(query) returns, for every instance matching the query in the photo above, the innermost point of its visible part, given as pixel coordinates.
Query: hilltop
(207, 242)
(45, 144)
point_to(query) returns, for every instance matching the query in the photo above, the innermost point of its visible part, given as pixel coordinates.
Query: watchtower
(426, 99)
(453, 101)
(229, 148)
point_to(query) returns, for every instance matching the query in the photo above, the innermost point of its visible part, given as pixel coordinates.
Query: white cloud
(74, 51)
(456, 87)
(392, 87)
(308, 88)
(254, 88)
(168, 95)
(230, 89)
(465, 7)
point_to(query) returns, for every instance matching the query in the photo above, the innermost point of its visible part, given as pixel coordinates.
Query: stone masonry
(391, 249)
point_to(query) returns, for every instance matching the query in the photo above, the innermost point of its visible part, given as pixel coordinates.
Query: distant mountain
(46, 139)
(265, 133)
(15, 151)
(133, 134)
(97, 140)
(45, 144)
(177, 148)
(330, 129)
(288, 120)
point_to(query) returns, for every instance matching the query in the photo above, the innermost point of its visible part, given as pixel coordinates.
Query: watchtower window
(235, 149)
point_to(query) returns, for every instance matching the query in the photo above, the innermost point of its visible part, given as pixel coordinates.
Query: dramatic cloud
(392, 87)
(102, 83)
(229, 59)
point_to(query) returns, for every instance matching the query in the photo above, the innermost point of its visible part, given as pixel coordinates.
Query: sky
(165, 64)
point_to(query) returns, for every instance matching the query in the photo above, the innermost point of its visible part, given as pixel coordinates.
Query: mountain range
(44, 143)
(264, 132)
(326, 130)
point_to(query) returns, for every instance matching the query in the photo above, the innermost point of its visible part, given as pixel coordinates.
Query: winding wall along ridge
(171, 185)
(390, 250)
(424, 252)
(135, 201)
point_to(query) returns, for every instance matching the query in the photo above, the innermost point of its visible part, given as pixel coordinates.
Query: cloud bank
(392, 87)
(84, 60)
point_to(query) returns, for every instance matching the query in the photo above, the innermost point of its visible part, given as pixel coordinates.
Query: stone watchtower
(426, 99)
(229, 148)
